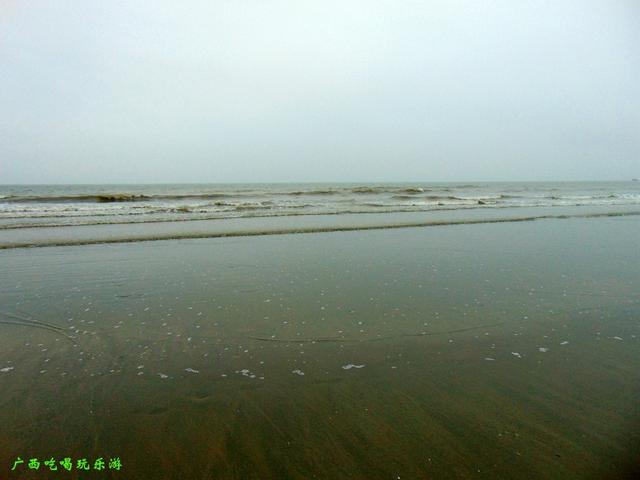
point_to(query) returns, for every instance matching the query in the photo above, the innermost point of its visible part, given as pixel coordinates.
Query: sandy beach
(463, 351)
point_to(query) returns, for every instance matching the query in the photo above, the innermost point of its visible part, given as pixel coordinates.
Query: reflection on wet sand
(484, 351)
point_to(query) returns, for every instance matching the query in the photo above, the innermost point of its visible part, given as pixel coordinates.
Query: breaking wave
(33, 206)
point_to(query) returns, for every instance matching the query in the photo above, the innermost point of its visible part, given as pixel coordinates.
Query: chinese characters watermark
(67, 464)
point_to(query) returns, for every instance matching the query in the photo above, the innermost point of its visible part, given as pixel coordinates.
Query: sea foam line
(297, 230)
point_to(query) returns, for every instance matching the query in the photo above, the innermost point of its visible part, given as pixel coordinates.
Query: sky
(318, 91)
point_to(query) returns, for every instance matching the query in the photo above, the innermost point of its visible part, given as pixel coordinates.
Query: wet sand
(469, 351)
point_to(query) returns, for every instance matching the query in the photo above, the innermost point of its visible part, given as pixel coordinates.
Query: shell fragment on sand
(351, 365)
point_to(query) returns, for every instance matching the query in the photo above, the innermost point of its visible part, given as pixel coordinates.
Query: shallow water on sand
(471, 351)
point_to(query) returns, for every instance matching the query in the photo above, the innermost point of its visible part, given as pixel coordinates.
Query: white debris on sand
(351, 365)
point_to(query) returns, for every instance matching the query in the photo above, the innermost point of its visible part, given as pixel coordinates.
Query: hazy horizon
(353, 182)
(311, 182)
(349, 92)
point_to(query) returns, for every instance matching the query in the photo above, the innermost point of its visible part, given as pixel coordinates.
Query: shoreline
(263, 226)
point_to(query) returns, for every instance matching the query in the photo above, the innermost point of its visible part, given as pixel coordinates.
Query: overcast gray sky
(333, 90)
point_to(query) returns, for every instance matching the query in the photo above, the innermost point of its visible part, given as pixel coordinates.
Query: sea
(71, 205)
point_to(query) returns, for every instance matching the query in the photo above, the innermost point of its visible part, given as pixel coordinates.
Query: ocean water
(72, 215)
(58, 205)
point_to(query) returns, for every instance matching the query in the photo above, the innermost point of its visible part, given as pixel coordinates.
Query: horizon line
(317, 182)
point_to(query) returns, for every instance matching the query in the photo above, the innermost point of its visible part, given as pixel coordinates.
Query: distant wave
(366, 190)
(403, 197)
(354, 192)
(386, 189)
(133, 197)
(32, 206)
(74, 198)
(313, 192)
(441, 197)
(105, 198)
(254, 206)
(582, 197)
